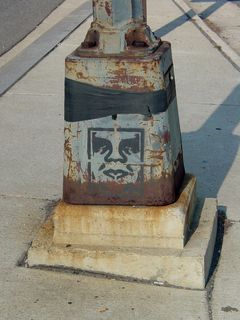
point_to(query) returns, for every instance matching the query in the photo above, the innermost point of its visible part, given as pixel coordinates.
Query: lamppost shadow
(209, 154)
(187, 16)
(211, 9)
(210, 151)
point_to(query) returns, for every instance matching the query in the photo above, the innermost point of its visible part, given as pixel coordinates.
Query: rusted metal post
(114, 23)
(122, 134)
(139, 8)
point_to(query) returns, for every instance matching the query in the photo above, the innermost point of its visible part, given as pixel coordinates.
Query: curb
(218, 43)
(15, 69)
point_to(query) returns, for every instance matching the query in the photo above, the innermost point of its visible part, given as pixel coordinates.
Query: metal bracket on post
(119, 26)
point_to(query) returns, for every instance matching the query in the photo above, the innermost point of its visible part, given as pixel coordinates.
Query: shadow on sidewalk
(173, 24)
(212, 7)
(210, 151)
(209, 154)
(187, 16)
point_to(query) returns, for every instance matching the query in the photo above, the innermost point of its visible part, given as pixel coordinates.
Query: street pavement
(31, 138)
(18, 18)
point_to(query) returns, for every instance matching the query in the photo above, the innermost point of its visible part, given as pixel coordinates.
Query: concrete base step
(187, 267)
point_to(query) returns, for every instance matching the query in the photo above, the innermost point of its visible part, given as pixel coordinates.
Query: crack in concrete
(21, 196)
(103, 275)
(31, 94)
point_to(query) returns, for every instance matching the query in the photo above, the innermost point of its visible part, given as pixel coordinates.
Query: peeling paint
(129, 159)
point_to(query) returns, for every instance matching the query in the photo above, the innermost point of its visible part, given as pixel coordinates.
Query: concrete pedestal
(127, 226)
(168, 244)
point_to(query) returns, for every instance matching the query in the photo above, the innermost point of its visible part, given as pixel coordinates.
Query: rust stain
(166, 136)
(72, 165)
(156, 154)
(155, 192)
(108, 9)
(121, 78)
(159, 191)
(80, 75)
(131, 73)
(138, 56)
(163, 138)
(68, 148)
(69, 67)
(138, 38)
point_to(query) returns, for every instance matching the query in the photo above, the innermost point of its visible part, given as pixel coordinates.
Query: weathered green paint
(123, 157)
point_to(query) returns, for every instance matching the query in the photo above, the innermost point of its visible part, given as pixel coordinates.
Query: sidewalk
(31, 139)
(222, 17)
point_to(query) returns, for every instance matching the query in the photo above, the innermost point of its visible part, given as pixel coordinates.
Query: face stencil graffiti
(115, 155)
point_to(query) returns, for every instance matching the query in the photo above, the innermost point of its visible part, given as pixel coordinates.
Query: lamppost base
(181, 261)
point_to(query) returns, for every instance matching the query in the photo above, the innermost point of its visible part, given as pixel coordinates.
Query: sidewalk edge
(218, 43)
(28, 58)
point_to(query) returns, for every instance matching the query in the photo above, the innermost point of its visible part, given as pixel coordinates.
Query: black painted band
(85, 102)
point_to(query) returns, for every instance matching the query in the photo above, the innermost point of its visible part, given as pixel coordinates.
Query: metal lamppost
(128, 207)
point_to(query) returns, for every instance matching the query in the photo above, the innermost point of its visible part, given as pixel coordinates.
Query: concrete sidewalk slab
(225, 301)
(37, 294)
(31, 164)
(222, 17)
(42, 295)
(211, 35)
(20, 219)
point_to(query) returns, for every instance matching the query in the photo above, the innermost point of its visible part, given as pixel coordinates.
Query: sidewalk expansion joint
(35, 94)
(21, 196)
(213, 104)
(108, 276)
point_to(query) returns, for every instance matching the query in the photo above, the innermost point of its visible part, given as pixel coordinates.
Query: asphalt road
(19, 17)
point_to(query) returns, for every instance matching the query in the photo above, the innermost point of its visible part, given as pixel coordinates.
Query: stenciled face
(115, 155)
